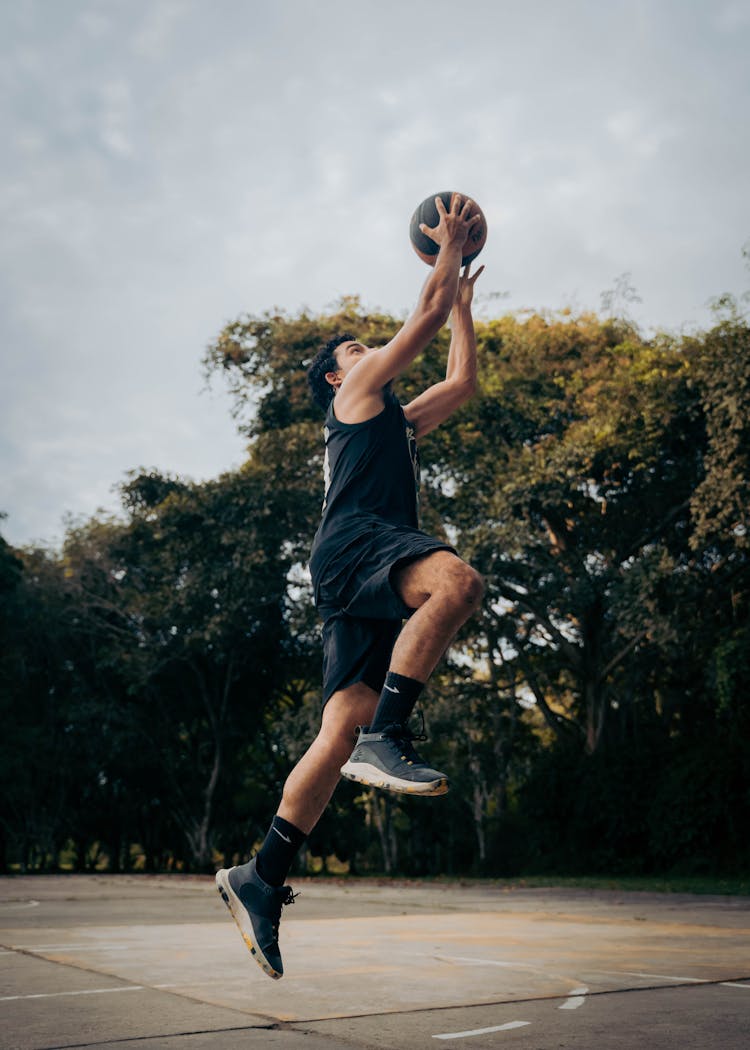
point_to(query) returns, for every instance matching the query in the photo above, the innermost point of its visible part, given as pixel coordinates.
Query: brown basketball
(427, 213)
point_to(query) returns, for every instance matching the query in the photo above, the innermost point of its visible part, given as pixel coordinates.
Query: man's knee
(344, 712)
(442, 575)
(472, 586)
(466, 586)
(460, 583)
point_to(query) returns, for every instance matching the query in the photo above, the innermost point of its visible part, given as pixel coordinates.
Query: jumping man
(372, 569)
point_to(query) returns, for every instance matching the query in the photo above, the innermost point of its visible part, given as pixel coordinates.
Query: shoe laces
(288, 898)
(403, 736)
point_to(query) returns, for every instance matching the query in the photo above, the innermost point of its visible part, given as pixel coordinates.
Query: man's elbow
(437, 303)
(465, 388)
(435, 314)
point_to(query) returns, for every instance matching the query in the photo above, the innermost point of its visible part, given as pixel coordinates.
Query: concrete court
(140, 961)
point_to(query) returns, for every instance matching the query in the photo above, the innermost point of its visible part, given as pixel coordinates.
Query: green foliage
(163, 669)
(720, 502)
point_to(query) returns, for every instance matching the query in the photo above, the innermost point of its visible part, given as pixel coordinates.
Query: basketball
(427, 213)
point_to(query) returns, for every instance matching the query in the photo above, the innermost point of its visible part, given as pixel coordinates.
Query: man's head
(331, 363)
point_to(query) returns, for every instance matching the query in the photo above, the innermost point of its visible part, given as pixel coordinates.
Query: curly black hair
(325, 361)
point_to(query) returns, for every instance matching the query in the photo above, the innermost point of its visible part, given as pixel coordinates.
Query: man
(372, 569)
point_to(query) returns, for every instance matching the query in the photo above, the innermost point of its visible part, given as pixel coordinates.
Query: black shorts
(361, 610)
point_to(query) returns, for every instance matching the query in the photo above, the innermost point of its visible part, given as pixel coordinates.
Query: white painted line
(658, 976)
(73, 948)
(577, 998)
(481, 962)
(734, 984)
(666, 977)
(86, 991)
(19, 904)
(482, 1031)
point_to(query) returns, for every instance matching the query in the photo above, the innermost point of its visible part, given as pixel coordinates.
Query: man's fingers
(476, 274)
(440, 207)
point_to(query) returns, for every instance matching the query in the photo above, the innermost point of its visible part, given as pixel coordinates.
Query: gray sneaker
(387, 759)
(256, 908)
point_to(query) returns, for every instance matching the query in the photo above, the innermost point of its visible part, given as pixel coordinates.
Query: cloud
(153, 37)
(733, 16)
(171, 165)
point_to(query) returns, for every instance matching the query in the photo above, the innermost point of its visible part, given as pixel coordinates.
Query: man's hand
(465, 292)
(360, 395)
(453, 226)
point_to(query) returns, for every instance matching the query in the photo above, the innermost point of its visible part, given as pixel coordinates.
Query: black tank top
(371, 472)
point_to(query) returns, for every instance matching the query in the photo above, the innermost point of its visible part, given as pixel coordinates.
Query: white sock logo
(391, 689)
(284, 837)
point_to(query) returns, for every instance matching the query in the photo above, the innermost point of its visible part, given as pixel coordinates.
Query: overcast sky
(169, 165)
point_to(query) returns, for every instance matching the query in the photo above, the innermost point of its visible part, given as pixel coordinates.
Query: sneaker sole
(239, 914)
(374, 777)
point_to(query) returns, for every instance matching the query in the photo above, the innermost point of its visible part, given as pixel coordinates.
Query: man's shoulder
(349, 416)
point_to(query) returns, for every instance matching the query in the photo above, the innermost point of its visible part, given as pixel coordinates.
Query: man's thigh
(418, 580)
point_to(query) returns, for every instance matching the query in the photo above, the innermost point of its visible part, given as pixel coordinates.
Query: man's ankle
(397, 700)
(280, 847)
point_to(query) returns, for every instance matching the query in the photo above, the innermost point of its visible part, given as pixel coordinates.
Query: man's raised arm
(430, 408)
(436, 300)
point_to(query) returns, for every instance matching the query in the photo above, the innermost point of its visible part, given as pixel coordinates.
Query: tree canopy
(161, 672)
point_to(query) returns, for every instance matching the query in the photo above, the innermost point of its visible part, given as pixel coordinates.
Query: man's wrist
(451, 248)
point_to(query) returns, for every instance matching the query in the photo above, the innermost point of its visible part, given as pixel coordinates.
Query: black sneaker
(387, 759)
(256, 908)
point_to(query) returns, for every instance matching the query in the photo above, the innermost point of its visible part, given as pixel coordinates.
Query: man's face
(347, 355)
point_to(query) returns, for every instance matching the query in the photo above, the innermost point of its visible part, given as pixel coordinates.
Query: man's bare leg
(444, 591)
(254, 897)
(311, 783)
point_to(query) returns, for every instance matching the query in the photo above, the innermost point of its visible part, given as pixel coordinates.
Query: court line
(482, 1031)
(481, 962)
(484, 1003)
(85, 991)
(73, 948)
(660, 976)
(576, 998)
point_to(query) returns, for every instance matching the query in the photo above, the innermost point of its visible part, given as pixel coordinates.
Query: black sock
(280, 846)
(397, 700)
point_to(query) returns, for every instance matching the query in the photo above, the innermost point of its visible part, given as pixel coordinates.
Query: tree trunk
(199, 835)
(480, 803)
(379, 808)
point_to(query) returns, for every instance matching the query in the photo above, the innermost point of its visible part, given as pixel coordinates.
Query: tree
(570, 482)
(163, 669)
